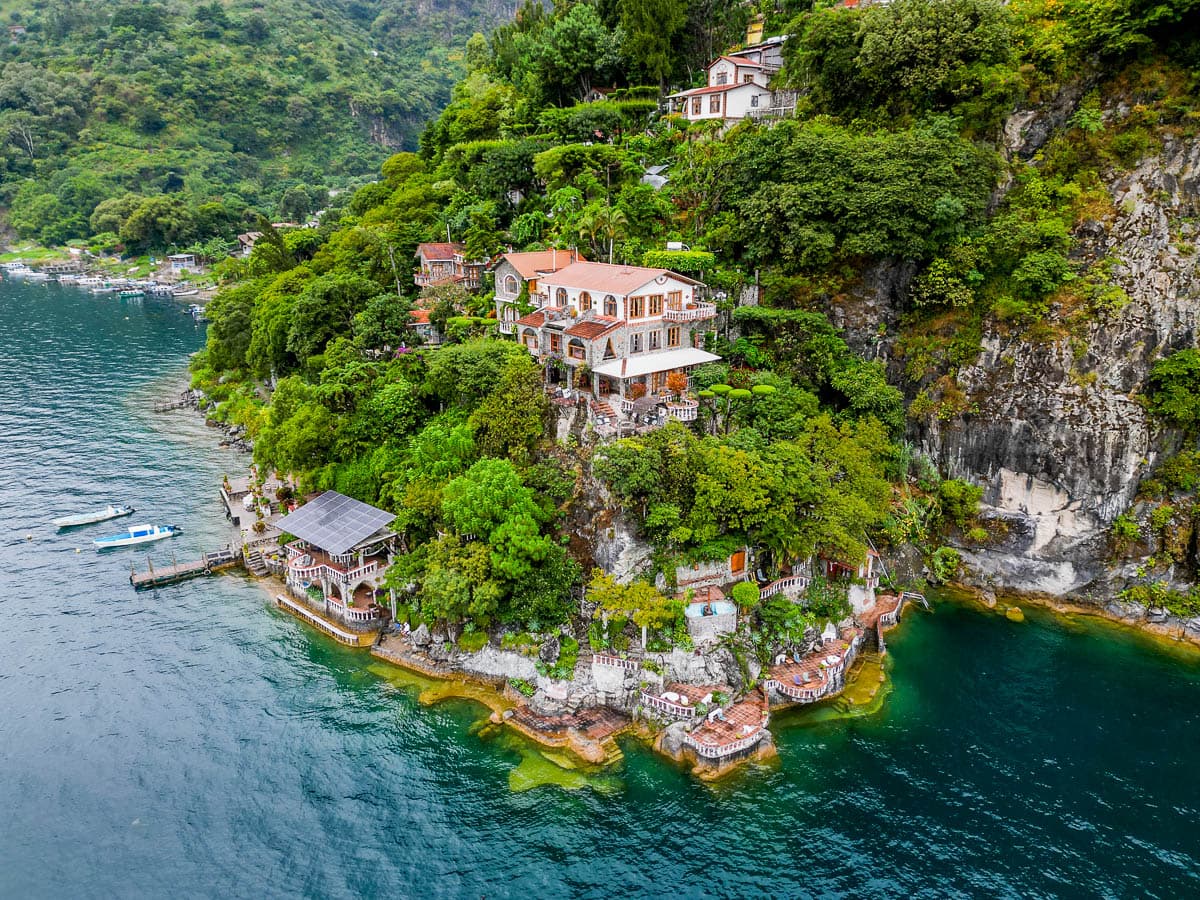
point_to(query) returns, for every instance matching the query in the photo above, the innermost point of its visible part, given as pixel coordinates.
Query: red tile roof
(419, 316)
(602, 278)
(592, 328)
(737, 61)
(441, 251)
(529, 264)
(533, 320)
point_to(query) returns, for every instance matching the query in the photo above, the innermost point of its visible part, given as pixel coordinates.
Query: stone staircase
(255, 564)
(612, 753)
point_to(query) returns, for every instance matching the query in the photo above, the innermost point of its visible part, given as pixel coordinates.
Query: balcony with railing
(691, 312)
(792, 584)
(683, 409)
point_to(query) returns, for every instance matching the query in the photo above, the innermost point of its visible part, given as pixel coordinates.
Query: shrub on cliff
(1173, 392)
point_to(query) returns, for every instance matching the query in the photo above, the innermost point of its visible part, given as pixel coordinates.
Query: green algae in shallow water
(540, 767)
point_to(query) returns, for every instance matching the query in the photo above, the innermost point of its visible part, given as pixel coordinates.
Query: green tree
(511, 419)
(649, 28)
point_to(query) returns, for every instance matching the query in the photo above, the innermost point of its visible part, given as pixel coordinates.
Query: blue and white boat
(99, 515)
(138, 534)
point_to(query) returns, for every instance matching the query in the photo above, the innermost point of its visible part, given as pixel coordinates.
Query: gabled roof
(419, 316)
(531, 263)
(607, 278)
(720, 89)
(737, 61)
(441, 251)
(334, 522)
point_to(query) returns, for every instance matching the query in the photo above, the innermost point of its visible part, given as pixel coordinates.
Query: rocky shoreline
(1156, 623)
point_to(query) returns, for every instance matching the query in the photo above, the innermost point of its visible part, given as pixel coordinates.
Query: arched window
(610, 306)
(560, 297)
(585, 301)
(511, 285)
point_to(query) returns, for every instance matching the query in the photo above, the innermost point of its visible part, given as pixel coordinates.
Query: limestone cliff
(1052, 427)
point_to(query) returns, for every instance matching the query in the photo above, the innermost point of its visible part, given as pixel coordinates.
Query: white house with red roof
(623, 326)
(738, 88)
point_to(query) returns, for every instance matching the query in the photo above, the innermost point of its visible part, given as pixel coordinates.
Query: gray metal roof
(334, 522)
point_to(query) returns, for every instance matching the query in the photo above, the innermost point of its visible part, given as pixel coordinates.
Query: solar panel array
(334, 522)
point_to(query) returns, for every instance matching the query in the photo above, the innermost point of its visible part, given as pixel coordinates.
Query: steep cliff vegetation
(960, 191)
(206, 111)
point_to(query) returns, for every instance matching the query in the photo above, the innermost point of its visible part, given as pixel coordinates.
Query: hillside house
(515, 271)
(624, 329)
(738, 87)
(442, 262)
(337, 562)
(419, 323)
(246, 242)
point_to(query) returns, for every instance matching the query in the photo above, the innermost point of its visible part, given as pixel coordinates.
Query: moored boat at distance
(131, 294)
(138, 534)
(111, 511)
(183, 293)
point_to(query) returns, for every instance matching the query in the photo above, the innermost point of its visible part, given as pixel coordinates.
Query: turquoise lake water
(195, 742)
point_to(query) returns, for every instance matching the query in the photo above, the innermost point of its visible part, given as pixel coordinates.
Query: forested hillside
(205, 111)
(931, 233)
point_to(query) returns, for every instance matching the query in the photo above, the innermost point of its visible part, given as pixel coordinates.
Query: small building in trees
(181, 262)
(441, 262)
(246, 242)
(738, 87)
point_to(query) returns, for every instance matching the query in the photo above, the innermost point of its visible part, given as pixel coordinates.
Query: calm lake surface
(195, 742)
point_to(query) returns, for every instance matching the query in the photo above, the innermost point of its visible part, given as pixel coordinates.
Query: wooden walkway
(176, 572)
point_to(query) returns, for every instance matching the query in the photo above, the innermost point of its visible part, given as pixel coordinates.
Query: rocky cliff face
(1052, 429)
(1055, 433)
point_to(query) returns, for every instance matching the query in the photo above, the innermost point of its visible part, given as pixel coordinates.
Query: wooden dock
(177, 572)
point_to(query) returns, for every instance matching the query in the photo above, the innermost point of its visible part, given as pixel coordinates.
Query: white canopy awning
(648, 363)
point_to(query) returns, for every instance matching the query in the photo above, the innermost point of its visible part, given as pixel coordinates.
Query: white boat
(138, 534)
(99, 515)
(20, 271)
(37, 276)
(89, 281)
(68, 279)
(191, 293)
(103, 289)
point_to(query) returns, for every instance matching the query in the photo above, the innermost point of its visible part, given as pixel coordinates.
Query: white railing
(629, 665)
(892, 617)
(355, 574)
(795, 583)
(709, 751)
(683, 410)
(805, 693)
(507, 327)
(622, 405)
(352, 613)
(663, 705)
(693, 313)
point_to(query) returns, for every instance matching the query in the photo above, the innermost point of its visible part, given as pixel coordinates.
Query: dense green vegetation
(153, 124)
(892, 158)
